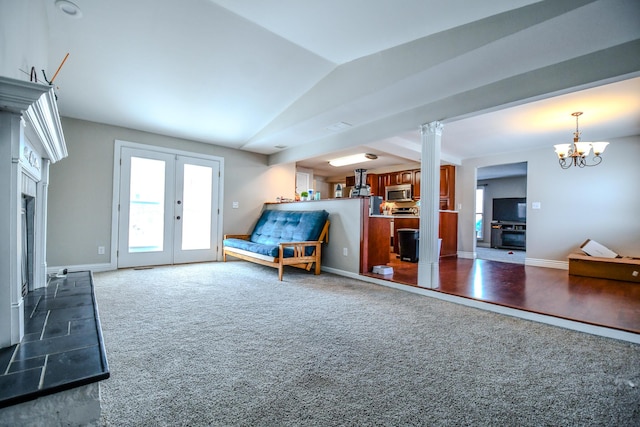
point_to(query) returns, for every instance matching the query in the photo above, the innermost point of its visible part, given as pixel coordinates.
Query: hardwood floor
(610, 303)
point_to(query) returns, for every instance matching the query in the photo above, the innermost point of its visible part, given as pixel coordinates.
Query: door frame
(117, 148)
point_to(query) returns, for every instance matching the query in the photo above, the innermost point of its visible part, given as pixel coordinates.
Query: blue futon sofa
(282, 238)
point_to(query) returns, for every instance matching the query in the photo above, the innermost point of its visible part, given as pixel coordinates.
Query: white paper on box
(593, 248)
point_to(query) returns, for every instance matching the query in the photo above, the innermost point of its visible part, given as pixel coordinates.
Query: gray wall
(344, 231)
(80, 190)
(600, 203)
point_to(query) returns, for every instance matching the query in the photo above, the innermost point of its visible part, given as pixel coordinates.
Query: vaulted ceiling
(305, 81)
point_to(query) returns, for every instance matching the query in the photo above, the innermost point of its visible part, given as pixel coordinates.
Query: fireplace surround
(31, 138)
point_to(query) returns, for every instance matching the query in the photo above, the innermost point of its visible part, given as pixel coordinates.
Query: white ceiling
(272, 76)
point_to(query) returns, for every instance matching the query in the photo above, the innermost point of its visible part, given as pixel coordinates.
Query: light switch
(235, 205)
(535, 205)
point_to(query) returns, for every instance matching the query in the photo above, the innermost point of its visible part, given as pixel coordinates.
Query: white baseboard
(96, 268)
(548, 263)
(533, 262)
(341, 272)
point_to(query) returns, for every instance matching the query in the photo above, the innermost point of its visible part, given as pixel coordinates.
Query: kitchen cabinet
(447, 187)
(416, 183)
(404, 177)
(448, 232)
(384, 180)
(380, 182)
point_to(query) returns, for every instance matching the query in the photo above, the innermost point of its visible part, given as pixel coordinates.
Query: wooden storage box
(627, 269)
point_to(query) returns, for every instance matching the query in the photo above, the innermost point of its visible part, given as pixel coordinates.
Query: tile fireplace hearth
(62, 347)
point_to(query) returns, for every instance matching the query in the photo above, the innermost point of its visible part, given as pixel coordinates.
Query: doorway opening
(501, 208)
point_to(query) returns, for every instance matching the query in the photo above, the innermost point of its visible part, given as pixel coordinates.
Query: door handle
(178, 217)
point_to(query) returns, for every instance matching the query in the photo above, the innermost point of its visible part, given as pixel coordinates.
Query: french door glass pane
(196, 211)
(146, 205)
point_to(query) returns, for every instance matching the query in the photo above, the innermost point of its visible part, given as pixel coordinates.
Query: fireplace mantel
(37, 104)
(31, 138)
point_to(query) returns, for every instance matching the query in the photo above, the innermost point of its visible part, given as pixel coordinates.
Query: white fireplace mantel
(37, 103)
(31, 138)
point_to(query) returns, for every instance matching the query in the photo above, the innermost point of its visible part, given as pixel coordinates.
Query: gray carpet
(226, 344)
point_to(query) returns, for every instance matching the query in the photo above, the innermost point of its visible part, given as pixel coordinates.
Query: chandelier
(576, 154)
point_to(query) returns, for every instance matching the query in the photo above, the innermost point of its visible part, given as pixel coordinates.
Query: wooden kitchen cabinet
(404, 177)
(416, 183)
(447, 187)
(384, 180)
(448, 232)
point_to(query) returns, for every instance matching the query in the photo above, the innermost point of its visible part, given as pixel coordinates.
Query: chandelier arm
(596, 161)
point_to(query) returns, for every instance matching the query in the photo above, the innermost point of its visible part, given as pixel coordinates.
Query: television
(510, 209)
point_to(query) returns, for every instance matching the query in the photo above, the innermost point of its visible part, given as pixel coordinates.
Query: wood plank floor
(610, 303)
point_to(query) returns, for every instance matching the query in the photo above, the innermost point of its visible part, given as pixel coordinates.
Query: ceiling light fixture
(340, 126)
(353, 159)
(576, 154)
(69, 8)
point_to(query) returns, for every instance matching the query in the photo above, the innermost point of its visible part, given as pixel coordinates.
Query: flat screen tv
(510, 209)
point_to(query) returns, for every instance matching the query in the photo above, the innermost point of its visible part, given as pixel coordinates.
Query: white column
(428, 263)
(40, 225)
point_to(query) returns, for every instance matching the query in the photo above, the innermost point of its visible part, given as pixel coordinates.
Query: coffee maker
(361, 188)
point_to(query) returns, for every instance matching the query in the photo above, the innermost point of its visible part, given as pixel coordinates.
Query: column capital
(432, 127)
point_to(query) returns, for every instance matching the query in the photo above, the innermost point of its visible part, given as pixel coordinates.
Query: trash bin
(408, 244)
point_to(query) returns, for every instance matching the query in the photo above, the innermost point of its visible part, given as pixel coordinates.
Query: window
(480, 213)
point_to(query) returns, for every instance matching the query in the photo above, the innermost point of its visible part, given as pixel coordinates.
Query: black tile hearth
(62, 347)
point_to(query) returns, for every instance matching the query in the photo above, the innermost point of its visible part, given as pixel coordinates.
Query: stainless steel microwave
(398, 193)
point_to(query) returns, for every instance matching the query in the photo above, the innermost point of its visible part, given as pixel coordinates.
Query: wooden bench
(282, 238)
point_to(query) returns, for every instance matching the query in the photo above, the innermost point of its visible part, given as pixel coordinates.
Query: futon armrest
(299, 249)
(303, 243)
(237, 236)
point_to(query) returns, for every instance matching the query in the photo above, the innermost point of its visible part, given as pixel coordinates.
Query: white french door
(168, 208)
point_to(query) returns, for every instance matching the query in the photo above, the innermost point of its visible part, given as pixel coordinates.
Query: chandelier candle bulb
(598, 147)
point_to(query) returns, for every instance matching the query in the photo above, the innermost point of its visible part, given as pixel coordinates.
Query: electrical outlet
(345, 252)
(235, 205)
(100, 250)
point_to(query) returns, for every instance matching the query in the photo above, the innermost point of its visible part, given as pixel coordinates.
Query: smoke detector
(69, 8)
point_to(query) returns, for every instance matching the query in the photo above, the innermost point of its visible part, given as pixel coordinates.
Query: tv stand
(509, 235)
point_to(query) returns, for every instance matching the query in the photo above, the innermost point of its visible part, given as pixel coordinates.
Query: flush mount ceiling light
(69, 8)
(576, 154)
(337, 127)
(353, 159)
